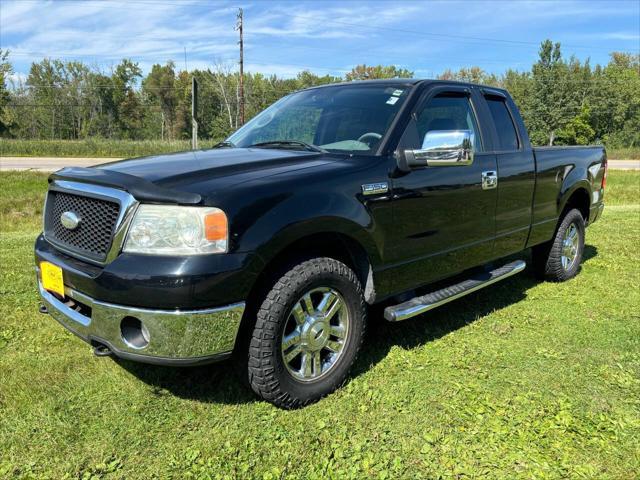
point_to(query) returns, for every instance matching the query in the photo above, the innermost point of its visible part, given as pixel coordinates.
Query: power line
(449, 36)
(464, 38)
(81, 88)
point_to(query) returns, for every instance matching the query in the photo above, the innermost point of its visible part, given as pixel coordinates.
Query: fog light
(134, 333)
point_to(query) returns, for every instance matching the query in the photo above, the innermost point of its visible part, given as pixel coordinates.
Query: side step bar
(427, 302)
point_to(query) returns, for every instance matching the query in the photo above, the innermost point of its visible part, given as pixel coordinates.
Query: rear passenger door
(516, 174)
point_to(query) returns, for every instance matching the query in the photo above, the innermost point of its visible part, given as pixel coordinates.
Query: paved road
(624, 164)
(50, 164)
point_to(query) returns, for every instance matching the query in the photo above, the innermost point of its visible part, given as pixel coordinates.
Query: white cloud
(331, 22)
(14, 80)
(112, 30)
(326, 37)
(622, 36)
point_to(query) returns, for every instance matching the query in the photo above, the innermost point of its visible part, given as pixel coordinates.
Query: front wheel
(559, 259)
(308, 332)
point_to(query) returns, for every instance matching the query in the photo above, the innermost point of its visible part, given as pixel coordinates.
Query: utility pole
(194, 113)
(241, 85)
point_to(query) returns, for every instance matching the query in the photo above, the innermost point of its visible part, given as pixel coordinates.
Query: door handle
(489, 179)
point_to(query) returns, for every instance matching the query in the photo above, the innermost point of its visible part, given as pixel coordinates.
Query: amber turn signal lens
(215, 226)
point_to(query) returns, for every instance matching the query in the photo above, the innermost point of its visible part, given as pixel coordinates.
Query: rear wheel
(559, 260)
(308, 332)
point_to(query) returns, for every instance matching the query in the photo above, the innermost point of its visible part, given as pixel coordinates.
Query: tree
(127, 106)
(578, 131)
(226, 84)
(57, 92)
(306, 79)
(6, 69)
(561, 101)
(550, 105)
(616, 102)
(364, 72)
(470, 75)
(159, 87)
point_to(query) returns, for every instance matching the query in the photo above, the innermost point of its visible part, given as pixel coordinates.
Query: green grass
(96, 147)
(623, 188)
(521, 380)
(631, 153)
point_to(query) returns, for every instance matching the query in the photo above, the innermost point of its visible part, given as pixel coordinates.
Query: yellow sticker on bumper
(51, 276)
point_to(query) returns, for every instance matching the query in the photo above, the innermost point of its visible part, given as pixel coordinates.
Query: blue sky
(284, 37)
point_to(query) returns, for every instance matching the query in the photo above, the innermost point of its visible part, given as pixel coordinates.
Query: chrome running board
(427, 302)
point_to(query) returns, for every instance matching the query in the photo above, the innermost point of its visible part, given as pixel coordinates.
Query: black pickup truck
(272, 245)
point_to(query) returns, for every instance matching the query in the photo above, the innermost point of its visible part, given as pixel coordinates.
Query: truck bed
(558, 170)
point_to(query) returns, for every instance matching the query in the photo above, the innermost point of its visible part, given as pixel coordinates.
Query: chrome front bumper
(166, 337)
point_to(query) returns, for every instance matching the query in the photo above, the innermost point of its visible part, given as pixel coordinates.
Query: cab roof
(406, 82)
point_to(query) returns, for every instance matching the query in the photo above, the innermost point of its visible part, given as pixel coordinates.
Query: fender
(576, 179)
(308, 216)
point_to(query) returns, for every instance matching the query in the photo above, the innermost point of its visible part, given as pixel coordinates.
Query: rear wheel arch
(580, 199)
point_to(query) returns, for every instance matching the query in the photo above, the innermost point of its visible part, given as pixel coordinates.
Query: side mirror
(442, 148)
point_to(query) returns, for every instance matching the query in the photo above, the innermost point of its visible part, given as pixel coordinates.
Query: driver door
(444, 221)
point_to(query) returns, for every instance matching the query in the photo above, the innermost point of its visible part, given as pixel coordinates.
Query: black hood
(228, 166)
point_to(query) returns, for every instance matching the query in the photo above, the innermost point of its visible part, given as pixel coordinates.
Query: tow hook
(43, 309)
(102, 351)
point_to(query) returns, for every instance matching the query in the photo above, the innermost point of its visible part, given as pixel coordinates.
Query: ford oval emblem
(69, 220)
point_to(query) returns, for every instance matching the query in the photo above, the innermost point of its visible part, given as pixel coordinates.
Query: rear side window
(507, 136)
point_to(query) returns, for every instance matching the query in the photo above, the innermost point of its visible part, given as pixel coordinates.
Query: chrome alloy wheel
(570, 245)
(315, 334)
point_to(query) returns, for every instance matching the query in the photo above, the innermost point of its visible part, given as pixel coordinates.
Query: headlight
(173, 230)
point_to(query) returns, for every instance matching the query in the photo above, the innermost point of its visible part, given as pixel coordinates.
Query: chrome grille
(93, 236)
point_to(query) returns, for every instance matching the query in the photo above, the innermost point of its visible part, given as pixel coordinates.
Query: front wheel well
(333, 245)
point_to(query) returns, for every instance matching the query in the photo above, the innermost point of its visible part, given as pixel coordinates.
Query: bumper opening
(134, 333)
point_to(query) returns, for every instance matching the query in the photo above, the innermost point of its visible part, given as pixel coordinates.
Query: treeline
(563, 101)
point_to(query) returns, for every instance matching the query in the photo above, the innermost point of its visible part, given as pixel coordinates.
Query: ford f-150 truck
(272, 245)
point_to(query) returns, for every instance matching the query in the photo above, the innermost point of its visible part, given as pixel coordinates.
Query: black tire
(269, 376)
(548, 258)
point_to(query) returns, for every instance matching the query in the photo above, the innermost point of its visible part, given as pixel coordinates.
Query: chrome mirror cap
(442, 148)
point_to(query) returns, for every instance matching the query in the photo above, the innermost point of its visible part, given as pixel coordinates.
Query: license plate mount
(52, 278)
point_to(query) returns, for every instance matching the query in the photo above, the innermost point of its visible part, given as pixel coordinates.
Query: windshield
(349, 118)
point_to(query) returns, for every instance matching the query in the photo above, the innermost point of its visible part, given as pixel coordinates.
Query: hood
(224, 166)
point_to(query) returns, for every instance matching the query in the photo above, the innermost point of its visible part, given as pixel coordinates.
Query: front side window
(350, 118)
(446, 112)
(507, 136)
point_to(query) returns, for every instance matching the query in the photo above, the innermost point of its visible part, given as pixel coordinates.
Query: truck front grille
(93, 235)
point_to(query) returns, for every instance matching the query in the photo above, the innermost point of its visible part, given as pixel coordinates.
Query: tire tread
(261, 365)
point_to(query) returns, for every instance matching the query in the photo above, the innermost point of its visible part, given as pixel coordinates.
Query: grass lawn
(520, 380)
(103, 147)
(94, 147)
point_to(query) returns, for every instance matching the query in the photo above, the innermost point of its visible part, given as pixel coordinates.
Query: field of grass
(520, 380)
(632, 153)
(98, 147)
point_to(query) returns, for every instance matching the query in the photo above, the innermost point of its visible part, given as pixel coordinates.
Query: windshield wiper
(275, 143)
(224, 144)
